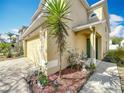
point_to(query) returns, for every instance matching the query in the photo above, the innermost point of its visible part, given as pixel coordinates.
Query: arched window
(92, 15)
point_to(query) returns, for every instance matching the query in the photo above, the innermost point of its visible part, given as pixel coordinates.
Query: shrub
(115, 56)
(19, 52)
(8, 54)
(73, 58)
(5, 49)
(91, 67)
(43, 79)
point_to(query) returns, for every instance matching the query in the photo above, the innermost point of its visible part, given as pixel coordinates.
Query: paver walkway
(12, 73)
(121, 73)
(104, 80)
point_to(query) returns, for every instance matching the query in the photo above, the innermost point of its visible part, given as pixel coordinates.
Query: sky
(15, 13)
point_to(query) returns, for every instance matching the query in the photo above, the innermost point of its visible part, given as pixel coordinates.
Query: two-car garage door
(34, 49)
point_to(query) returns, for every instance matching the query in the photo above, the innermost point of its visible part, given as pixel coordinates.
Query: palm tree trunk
(60, 63)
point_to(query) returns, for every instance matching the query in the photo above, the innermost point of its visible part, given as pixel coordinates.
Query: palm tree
(10, 35)
(56, 12)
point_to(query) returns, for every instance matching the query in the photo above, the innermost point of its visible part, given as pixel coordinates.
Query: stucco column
(25, 48)
(93, 45)
(99, 48)
(43, 61)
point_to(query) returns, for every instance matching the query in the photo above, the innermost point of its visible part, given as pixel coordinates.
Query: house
(89, 32)
(113, 46)
(122, 43)
(20, 33)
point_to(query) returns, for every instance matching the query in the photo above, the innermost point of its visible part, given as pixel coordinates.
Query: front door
(96, 48)
(88, 48)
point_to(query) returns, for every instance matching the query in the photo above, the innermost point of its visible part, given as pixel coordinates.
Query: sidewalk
(104, 80)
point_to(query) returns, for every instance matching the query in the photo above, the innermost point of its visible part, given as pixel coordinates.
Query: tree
(56, 12)
(14, 40)
(116, 40)
(1, 39)
(10, 35)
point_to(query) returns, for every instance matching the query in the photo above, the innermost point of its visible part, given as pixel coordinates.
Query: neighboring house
(122, 43)
(20, 32)
(89, 32)
(113, 46)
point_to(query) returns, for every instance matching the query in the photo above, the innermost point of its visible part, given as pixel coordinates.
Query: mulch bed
(72, 80)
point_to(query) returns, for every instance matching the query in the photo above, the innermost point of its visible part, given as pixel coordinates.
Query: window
(92, 15)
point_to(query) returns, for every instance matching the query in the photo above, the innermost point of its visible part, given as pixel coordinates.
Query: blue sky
(15, 13)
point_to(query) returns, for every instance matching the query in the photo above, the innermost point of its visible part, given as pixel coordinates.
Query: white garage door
(34, 50)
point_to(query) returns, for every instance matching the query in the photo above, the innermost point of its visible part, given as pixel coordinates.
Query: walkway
(104, 80)
(12, 75)
(121, 73)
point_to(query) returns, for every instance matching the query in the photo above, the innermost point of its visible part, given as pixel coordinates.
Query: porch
(89, 41)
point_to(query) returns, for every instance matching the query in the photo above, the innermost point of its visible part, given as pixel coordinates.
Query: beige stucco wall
(74, 41)
(99, 12)
(78, 13)
(52, 52)
(81, 43)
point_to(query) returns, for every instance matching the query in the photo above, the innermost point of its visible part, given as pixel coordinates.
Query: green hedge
(115, 56)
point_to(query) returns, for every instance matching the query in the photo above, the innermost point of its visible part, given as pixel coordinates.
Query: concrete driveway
(12, 74)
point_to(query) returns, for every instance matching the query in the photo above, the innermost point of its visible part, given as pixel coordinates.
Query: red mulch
(72, 79)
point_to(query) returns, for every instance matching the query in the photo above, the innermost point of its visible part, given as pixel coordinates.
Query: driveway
(104, 80)
(12, 76)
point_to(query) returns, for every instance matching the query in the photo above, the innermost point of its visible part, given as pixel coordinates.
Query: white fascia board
(76, 29)
(34, 25)
(85, 3)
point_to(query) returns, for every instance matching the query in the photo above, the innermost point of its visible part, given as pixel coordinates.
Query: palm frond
(56, 14)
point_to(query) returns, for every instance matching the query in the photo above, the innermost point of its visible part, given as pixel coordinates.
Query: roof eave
(38, 22)
(85, 4)
(79, 28)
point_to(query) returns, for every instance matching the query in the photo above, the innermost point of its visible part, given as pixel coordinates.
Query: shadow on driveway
(12, 76)
(104, 80)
